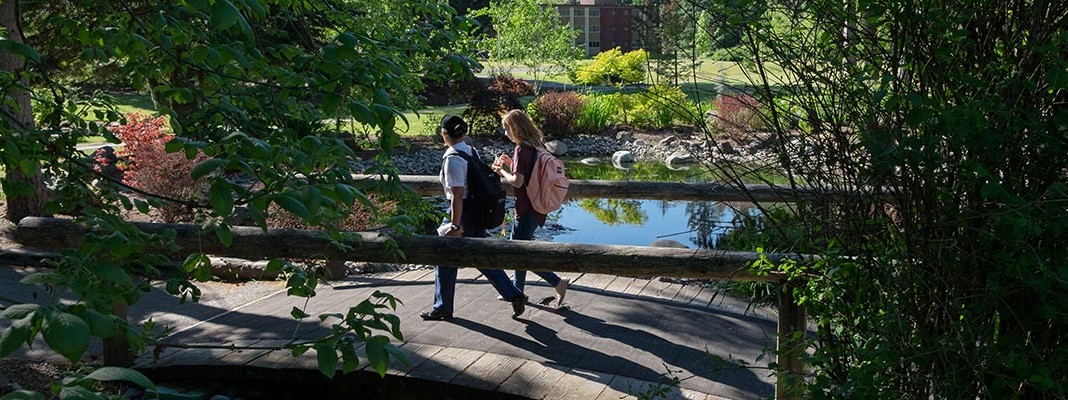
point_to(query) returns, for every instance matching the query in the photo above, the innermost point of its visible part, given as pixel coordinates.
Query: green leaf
(331, 102)
(100, 324)
(291, 204)
(28, 167)
(377, 356)
(14, 337)
(225, 236)
(275, 266)
(224, 14)
(363, 114)
(112, 273)
(327, 359)
(107, 374)
(222, 198)
(19, 49)
(23, 395)
(298, 313)
(19, 311)
(206, 167)
(78, 393)
(141, 205)
(66, 334)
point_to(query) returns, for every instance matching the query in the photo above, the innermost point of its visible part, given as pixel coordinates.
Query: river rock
(556, 147)
(622, 157)
(667, 141)
(591, 161)
(624, 136)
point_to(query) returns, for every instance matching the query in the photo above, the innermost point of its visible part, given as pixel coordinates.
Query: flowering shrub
(151, 169)
(556, 112)
(737, 113)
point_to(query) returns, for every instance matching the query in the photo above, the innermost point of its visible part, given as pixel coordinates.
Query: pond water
(696, 224)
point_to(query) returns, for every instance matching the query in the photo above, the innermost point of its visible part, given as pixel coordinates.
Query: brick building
(604, 24)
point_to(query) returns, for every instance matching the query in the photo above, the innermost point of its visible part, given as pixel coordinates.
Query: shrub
(483, 114)
(151, 169)
(659, 107)
(737, 113)
(511, 85)
(596, 111)
(556, 113)
(614, 67)
(354, 218)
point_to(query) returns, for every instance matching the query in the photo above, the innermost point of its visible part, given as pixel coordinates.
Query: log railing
(256, 244)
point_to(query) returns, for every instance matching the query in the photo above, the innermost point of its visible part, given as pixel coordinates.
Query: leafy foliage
(614, 67)
(530, 34)
(556, 113)
(245, 87)
(737, 113)
(597, 111)
(150, 169)
(941, 276)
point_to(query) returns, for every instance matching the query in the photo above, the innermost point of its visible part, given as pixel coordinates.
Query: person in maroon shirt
(527, 138)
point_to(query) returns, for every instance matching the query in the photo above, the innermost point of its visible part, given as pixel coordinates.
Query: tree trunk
(19, 118)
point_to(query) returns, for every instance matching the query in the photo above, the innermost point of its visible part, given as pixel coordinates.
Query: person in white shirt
(454, 180)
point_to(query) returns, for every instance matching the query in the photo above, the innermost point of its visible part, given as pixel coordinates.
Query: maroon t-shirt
(523, 159)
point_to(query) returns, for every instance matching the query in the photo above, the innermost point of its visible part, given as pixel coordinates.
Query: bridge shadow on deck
(602, 335)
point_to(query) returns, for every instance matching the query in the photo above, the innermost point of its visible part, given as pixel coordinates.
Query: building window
(564, 12)
(595, 44)
(595, 13)
(595, 28)
(580, 12)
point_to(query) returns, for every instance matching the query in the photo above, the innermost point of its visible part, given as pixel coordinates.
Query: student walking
(454, 180)
(516, 170)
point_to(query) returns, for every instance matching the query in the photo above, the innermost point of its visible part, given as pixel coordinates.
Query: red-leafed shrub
(738, 113)
(151, 169)
(486, 105)
(359, 218)
(511, 85)
(556, 113)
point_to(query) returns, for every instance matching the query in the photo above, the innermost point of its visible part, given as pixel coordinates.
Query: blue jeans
(445, 279)
(524, 228)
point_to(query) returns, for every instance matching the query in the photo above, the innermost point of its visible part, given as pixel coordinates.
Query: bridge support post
(793, 323)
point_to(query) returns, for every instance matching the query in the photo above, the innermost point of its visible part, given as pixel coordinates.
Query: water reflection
(696, 224)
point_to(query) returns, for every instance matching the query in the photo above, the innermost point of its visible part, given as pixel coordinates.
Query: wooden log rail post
(790, 343)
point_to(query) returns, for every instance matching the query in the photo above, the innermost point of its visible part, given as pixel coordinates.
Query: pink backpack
(548, 185)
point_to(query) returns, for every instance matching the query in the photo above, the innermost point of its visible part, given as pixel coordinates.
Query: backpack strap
(526, 181)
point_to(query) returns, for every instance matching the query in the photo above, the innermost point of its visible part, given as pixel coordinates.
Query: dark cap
(454, 125)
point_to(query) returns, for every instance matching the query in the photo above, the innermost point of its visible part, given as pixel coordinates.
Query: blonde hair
(519, 124)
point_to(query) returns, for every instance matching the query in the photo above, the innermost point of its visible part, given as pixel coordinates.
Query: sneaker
(519, 304)
(435, 315)
(501, 298)
(561, 290)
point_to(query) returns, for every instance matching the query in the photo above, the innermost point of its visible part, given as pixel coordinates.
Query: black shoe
(519, 304)
(435, 315)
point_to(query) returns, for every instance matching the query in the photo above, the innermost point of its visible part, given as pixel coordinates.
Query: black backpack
(484, 207)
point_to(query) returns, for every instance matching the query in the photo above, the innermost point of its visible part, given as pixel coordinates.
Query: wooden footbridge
(617, 335)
